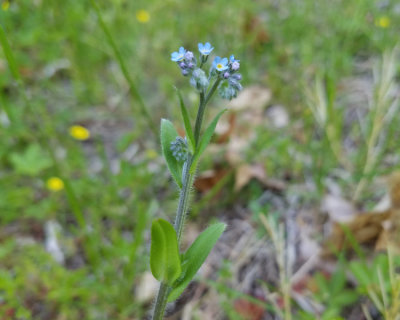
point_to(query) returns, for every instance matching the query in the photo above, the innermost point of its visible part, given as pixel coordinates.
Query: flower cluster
(223, 69)
(228, 70)
(179, 149)
(185, 59)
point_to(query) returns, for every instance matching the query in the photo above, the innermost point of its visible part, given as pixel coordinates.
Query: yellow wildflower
(5, 5)
(382, 22)
(142, 16)
(79, 133)
(151, 154)
(55, 184)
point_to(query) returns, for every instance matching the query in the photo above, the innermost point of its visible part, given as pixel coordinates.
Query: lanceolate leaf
(165, 263)
(205, 140)
(186, 121)
(195, 256)
(168, 135)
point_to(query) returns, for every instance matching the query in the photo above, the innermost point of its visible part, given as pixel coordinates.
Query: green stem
(161, 302)
(212, 90)
(183, 198)
(187, 182)
(199, 118)
(200, 114)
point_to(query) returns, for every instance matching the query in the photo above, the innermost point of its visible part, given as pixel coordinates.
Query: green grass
(92, 63)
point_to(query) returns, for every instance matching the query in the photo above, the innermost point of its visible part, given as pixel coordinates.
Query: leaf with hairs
(195, 256)
(204, 141)
(186, 121)
(165, 263)
(168, 135)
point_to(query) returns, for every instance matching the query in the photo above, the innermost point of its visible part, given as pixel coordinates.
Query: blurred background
(303, 167)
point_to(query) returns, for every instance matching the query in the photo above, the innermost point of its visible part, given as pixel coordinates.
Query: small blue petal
(232, 59)
(205, 49)
(216, 61)
(220, 64)
(178, 56)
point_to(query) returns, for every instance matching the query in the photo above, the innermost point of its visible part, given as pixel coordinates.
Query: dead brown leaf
(339, 209)
(252, 98)
(245, 172)
(248, 310)
(379, 229)
(208, 179)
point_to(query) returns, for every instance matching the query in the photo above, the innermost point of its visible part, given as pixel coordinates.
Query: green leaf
(344, 298)
(361, 273)
(338, 281)
(195, 256)
(32, 161)
(9, 55)
(186, 121)
(205, 140)
(168, 135)
(165, 263)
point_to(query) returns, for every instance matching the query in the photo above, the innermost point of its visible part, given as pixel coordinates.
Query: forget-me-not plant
(175, 269)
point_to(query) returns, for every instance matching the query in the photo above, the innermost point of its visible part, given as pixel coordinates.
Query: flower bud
(237, 76)
(227, 92)
(179, 149)
(199, 80)
(235, 84)
(189, 55)
(235, 66)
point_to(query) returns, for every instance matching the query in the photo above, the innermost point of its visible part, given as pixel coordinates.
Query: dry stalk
(277, 234)
(381, 109)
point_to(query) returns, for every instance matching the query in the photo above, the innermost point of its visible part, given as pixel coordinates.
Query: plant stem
(202, 106)
(199, 118)
(187, 182)
(183, 198)
(212, 90)
(161, 302)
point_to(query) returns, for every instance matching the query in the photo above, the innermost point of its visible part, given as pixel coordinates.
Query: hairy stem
(187, 182)
(199, 118)
(161, 302)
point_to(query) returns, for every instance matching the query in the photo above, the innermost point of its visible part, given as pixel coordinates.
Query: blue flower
(220, 64)
(205, 49)
(178, 56)
(232, 59)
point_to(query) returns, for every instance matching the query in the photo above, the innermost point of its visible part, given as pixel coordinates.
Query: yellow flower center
(55, 184)
(79, 133)
(219, 66)
(142, 16)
